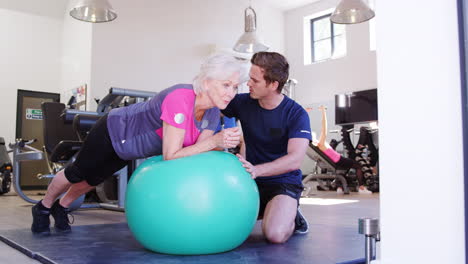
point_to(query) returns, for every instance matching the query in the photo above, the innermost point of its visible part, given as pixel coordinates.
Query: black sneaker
(302, 226)
(41, 221)
(60, 214)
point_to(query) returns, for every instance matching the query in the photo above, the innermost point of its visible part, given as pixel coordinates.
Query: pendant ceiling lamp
(94, 11)
(351, 12)
(249, 41)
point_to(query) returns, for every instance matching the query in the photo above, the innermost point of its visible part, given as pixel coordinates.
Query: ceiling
(285, 5)
(55, 8)
(48, 8)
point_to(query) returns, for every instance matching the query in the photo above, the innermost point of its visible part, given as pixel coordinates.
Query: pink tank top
(332, 154)
(177, 110)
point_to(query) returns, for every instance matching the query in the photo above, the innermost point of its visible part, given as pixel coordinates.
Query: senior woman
(179, 121)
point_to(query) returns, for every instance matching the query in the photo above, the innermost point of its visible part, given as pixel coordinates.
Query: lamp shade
(351, 12)
(249, 42)
(95, 11)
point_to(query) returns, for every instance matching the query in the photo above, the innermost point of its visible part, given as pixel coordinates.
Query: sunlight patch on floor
(325, 201)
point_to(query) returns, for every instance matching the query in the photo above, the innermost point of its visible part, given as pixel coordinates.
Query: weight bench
(323, 162)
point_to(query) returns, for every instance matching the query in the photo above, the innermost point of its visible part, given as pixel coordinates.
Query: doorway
(29, 125)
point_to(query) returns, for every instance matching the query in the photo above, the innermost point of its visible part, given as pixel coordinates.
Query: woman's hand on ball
(248, 166)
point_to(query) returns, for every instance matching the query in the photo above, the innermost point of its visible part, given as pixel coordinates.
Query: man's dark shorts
(269, 190)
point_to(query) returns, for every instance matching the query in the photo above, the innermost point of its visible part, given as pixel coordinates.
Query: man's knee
(278, 235)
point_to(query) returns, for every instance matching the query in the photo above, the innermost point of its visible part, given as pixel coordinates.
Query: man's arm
(297, 148)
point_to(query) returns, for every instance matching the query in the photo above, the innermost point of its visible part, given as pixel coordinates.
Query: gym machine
(5, 168)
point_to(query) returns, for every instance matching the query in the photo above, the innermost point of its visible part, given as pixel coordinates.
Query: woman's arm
(323, 131)
(173, 141)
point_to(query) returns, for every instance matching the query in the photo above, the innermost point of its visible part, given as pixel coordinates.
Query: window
(328, 40)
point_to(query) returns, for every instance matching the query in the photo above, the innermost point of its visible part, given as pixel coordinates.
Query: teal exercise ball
(201, 204)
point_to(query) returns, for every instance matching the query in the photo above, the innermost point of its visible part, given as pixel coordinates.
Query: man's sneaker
(60, 214)
(41, 221)
(302, 226)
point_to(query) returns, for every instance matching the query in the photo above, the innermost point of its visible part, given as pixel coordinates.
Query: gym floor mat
(114, 243)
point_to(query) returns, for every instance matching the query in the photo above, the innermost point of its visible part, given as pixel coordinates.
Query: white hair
(220, 67)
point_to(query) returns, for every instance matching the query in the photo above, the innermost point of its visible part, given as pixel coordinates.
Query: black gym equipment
(367, 155)
(5, 168)
(325, 170)
(366, 152)
(61, 142)
(350, 109)
(357, 108)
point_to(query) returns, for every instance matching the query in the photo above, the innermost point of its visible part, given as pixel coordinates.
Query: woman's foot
(41, 221)
(363, 190)
(339, 190)
(60, 215)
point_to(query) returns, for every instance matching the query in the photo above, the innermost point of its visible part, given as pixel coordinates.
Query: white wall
(30, 50)
(76, 54)
(319, 82)
(155, 44)
(422, 212)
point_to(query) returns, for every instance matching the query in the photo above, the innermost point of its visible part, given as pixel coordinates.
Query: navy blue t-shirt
(266, 132)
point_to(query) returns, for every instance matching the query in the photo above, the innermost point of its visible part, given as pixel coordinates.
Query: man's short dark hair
(275, 66)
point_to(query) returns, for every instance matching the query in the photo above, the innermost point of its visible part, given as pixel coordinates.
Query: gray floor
(321, 208)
